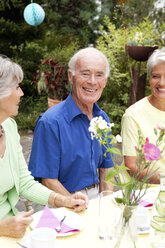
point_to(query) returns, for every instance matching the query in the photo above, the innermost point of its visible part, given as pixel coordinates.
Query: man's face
(89, 79)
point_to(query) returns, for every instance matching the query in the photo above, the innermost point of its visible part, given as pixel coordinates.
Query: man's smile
(89, 90)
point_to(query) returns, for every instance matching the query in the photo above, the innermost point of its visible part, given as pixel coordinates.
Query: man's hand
(79, 202)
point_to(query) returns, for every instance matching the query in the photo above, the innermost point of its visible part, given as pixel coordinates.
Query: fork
(58, 228)
(23, 246)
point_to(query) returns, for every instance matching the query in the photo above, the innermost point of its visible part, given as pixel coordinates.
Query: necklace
(2, 132)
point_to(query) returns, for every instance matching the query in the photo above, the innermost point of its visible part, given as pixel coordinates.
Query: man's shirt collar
(73, 110)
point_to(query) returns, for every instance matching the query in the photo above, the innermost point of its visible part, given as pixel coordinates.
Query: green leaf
(155, 131)
(123, 167)
(111, 174)
(120, 200)
(115, 150)
(124, 176)
(128, 191)
(146, 178)
(112, 182)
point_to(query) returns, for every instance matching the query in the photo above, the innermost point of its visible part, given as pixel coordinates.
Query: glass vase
(126, 231)
(157, 231)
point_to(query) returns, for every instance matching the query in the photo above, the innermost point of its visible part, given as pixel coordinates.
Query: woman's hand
(15, 226)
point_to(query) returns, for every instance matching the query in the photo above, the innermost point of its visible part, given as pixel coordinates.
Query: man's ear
(105, 82)
(70, 77)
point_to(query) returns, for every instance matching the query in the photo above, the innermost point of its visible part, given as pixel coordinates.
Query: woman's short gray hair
(157, 57)
(10, 74)
(74, 58)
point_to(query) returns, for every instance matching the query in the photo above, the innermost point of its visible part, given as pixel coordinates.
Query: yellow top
(141, 115)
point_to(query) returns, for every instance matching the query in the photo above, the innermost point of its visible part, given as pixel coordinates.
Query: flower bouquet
(133, 187)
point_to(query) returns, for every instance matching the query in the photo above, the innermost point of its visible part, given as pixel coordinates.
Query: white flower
(98, 124)
(111, 125)
(92, 127)
(118, 138)
(103, 124)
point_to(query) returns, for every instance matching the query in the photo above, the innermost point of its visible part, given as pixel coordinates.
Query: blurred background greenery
(68, 26)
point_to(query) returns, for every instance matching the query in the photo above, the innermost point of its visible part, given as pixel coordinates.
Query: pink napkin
(145, 204)
(48, 219)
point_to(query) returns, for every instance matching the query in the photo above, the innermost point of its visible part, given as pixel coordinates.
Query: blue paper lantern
(34, 14)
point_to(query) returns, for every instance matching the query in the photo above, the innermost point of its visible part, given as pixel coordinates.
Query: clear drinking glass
(157, 231)
(107, 218)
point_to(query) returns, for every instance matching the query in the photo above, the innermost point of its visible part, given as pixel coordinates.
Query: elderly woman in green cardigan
(15, 179)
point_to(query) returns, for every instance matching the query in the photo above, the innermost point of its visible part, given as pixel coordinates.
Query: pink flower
(151, 152)
(159, 128)
(147, 139)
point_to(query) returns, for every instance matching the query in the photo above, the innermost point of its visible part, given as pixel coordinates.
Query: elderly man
(63, 157)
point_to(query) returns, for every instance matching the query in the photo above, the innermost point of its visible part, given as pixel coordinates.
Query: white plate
(26, 241)
(149, 197)
(72, 219)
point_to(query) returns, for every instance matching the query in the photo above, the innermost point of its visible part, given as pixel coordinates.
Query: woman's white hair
(81, 52)
(10, 74)
(157, 57)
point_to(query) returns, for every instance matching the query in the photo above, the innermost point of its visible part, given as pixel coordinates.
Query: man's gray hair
(10, 74)
(157, 57)
(81, 52)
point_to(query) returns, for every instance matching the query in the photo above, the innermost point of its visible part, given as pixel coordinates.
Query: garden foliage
(112, 42)
(68, 26)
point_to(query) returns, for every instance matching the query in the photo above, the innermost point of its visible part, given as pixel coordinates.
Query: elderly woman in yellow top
(146, 114)
(15, 179)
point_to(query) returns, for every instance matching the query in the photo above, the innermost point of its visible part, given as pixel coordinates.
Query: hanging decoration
(34, 14)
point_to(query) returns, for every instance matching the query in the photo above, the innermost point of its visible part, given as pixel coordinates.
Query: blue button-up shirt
(63, 149)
